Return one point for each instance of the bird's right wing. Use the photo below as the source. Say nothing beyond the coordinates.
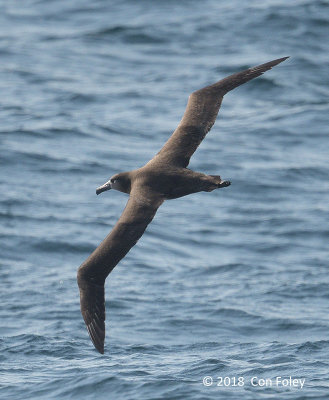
(200, 115)
(138, 213)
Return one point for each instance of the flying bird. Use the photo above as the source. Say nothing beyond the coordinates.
(164, 177)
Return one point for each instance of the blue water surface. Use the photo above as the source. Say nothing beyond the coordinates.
(232, 283)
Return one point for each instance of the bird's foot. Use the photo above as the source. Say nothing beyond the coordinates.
(224, 184)
(217, 180)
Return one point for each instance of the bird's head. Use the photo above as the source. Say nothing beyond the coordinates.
(120, 182)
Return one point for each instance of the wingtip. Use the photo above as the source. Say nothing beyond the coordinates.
(92, 304)
(262, 68)
(96, 337)
(279, 60)
(100, 348)
(270, 64)
(276, 62)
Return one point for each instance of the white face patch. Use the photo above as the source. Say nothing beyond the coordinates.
(116, 185)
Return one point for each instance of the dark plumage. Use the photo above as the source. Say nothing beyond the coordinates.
(162, 178)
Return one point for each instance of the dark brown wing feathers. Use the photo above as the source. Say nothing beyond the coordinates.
(92, 304)
(200, 115)
(138, 213)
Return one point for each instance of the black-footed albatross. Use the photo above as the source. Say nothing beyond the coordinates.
(164, 177)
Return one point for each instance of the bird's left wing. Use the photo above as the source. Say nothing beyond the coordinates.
(137, 214)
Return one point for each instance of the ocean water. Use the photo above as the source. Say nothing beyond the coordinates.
(232, 283)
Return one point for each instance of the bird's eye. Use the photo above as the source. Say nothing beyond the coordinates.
(112, 180)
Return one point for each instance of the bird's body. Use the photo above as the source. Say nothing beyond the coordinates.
(164, 177)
